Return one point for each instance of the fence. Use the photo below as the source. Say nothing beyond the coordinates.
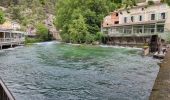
(8, 40)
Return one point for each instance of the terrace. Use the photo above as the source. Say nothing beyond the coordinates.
(10, 38)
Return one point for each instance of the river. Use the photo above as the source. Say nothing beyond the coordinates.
(53, 71)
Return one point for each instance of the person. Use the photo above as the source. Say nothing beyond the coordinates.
(164, 50)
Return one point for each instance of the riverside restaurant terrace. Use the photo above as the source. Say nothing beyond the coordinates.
(11, 38)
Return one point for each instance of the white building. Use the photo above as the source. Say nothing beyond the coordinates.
(143, 19)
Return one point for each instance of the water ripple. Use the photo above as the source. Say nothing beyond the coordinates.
(53, 71)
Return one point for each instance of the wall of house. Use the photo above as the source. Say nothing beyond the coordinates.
(167, 22)
(145, 12)
(110, 20)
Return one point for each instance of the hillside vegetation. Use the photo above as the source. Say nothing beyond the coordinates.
(28, 12)
(80, 20)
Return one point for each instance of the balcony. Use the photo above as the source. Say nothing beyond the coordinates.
(10, 38)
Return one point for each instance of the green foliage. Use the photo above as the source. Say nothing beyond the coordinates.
(28, 12)
(129, 3)
(166, 1)
(81, 18)
(2, 17)
(150, 2)
(42, 32)
(16, 13)
(31, 40)
(78, 29)
(66, 37)
(90, 38)
(99, 36)
(42, 2)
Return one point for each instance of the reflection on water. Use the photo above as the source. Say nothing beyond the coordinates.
(50, 71)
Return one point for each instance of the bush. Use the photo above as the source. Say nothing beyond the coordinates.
(99, 36)
(2, 17)
(150, 2)
(65, 37)
(43, 32)
(166, 1)
(16, 13)
(90, 38)
(31, 40)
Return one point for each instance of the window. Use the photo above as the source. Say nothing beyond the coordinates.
(143, 9)
(163, 16)
(132, 18)
(160, 28)
(152, 16)
(125, 19)
(117, 14)
(140, 18)
(116, 22)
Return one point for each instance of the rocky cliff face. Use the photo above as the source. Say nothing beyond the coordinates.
(49, 22)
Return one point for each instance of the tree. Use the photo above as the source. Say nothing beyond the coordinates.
(166, 1)
(16, 13)
(2, 17)
(129, 3)
(42, 2)
(42, 32)
(78, 30)
(92, 11)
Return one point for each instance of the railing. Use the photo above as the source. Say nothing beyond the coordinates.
(5, 94)
(136, 31)
(8, 40)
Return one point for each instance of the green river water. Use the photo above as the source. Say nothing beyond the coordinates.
(54, 71)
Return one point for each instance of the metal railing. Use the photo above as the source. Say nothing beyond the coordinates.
(5, 94)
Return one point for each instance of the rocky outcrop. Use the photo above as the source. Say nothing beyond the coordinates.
(50, 24)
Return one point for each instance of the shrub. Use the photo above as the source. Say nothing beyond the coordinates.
(99, 36)
(43, 32)
(90, 38)
(150, 2)
(65, 37)
(2, 17)
(31, 40)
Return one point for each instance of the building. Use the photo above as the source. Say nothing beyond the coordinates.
(111, 20)
(10, 38)
(10, 35)
(142, 21)
(10, 25)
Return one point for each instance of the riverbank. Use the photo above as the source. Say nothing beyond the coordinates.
(161, 89)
